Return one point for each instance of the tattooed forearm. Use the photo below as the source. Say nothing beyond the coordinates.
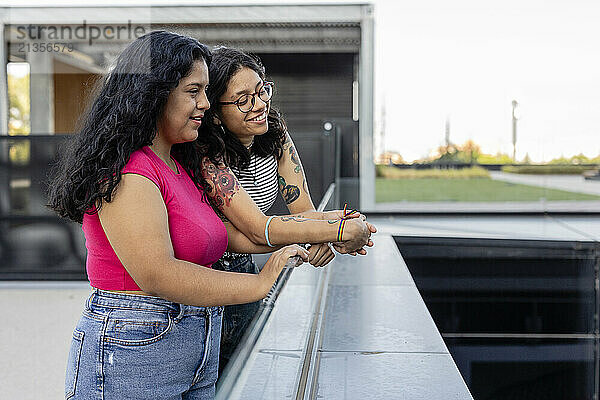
(290, 193)
(333, 221)
(300, 216)
(223, 184)
(295, 219)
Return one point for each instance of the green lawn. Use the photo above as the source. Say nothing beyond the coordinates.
(479, 189)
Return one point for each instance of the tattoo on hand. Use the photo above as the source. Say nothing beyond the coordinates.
(290, 193)
(223, 184)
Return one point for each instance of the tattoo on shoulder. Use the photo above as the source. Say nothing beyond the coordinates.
(223, 184)
(287, 142)
(295, 159)
(290, 193)
(288, 147)
(221, 216)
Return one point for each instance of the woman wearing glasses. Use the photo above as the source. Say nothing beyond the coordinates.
(256, 146)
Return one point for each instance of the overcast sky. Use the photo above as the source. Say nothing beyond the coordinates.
(469, 59)
(466, 60)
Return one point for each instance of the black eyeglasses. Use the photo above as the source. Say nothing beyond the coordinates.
(246, 101)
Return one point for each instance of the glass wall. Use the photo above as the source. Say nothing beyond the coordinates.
(56, 59)
(34, 242)
(487, 107)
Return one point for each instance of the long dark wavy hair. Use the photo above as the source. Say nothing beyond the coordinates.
(123, 118)
(214, 140)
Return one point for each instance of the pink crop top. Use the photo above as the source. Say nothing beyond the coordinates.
(197, 234)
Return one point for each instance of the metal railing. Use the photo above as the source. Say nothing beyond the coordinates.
(237, 367)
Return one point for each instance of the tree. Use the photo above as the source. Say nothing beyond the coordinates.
(574, 160)
(469, 152)
(498, 158)
(18, 97)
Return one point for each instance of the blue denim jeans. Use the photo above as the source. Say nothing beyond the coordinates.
(139, 347)
(236, 318)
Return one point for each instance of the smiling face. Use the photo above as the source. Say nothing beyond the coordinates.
(244, 126)
(185, 108)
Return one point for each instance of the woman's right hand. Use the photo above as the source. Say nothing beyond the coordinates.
(277, 261)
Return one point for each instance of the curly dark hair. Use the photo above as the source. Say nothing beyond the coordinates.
(214, 140)
(123, 118)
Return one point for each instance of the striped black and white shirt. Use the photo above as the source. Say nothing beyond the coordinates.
(259, 179)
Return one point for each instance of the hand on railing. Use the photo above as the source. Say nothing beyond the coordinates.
(288, 256)
(320, 254)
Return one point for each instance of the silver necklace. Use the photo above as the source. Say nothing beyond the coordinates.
(253, 156)
(252, 160)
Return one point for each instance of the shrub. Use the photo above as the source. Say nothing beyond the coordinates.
(385, 171)
(547, 169)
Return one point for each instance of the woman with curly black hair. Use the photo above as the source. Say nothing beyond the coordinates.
(132, 177)
(255, 143)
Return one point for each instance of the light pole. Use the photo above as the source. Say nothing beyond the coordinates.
(514, 129)
(447, 134)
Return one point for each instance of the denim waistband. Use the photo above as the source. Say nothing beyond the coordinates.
(107, 299)
(229, 256)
